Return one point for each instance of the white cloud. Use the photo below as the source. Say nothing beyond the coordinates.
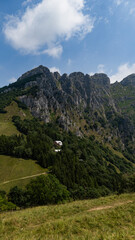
(91, 73)
(43, 26)
(26, 2)
(126, 3)
(54, 69)
(69, 62)
(55, 51)
(123, 71)
(118, 2)
(132, 11)
(12, 80)
(101, 68)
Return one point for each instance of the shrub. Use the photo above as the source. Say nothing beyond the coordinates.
(46, 190)
(5, 205)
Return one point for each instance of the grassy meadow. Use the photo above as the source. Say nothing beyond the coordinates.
(106, 218)
(14, 168)
(6, 125)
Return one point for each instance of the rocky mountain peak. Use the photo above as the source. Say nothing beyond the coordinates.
(76, 75)
(129, 80)
(56, 75)
(79, 102)
(101, 79)
(36, 71)
(66, 95)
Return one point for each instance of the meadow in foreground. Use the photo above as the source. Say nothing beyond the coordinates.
(106, 218)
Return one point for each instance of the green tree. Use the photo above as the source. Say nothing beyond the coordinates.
(46, 190)
(17, 196)
(5, 205)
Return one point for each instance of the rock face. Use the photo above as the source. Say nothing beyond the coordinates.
(82, 103)
(129, 81)
(65, 94)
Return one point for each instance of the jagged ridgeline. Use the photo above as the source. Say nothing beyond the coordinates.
(77, 102)
(95, 121)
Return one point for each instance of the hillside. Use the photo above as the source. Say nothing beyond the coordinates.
(107, 218)
(12, 169)
(80, 103)
(6, 125)
(93, 119)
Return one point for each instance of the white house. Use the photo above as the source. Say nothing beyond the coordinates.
(59, 143)
(57, 150)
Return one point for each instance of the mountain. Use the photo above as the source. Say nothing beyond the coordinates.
(67, 97)
(81, 103)
(95, 121)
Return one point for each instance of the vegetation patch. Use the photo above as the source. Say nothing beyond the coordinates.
(6, 125)
(14, 168)
(73, 221)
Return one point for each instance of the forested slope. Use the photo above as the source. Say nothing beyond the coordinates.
(89, 116)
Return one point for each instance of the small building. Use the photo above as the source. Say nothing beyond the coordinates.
(57, 150)
(58, 143)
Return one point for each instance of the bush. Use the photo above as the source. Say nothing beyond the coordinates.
(17, 196)
(5, 205)
(46, 190)
(40, 191)
(2, 193)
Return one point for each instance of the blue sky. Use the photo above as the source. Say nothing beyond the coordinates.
(67, 35)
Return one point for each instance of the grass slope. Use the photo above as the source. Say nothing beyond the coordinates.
(13, 168)
(6, 125)
(80, 220)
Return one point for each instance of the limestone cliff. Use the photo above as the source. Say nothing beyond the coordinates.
(81, 103)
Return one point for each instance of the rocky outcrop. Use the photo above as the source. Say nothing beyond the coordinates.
(129, 81)
(67, 94)
(81, 103)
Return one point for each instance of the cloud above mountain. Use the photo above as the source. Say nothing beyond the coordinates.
(12, 80)
(55, 69)
(123, 71)
(42, 27)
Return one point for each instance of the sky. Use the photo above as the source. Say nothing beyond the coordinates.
(89, 36)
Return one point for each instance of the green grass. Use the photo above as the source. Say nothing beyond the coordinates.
(73, 221)
(13, 168)
(6, 125)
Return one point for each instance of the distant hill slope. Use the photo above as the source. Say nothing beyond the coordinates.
(107, 218)
(13, 168)
(6, 125)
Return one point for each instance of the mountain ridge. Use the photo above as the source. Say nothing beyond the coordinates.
(84, 104)
(95, 121)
